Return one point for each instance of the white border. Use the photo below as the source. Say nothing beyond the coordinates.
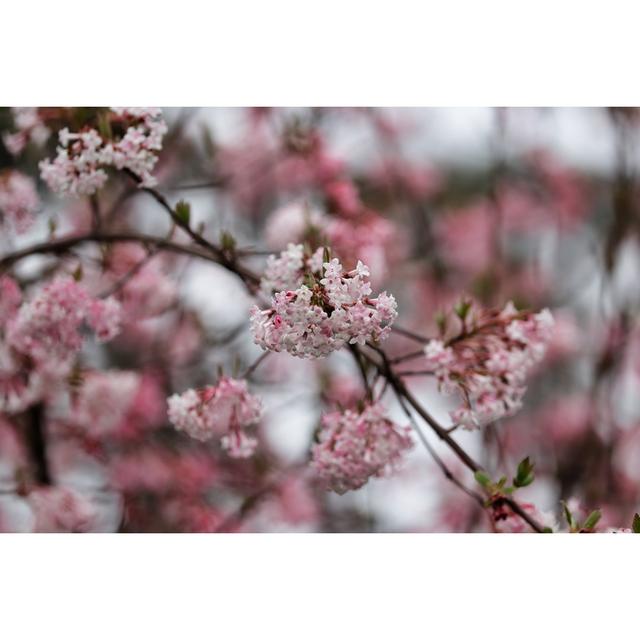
(317, 587)
(334, 52)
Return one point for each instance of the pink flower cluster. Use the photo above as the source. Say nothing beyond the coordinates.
(18, 200)
(82, 158)
(30, 127)
(10, 298)
(103, 400)
(61, 510)
(354, 446)
(368, 236)
(317, 308)
(38, 338)
(222, 411)
(49, 327)
(487, 362)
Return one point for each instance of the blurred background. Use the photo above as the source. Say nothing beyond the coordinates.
(537, 206)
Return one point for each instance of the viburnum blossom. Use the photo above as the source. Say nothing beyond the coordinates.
(317, 308)
(488, 360)
(10, 298)
(49, 326)
(61, 510)
(222, 411)
(29, 127)
(356, 445)
(18, 200)
(132, 140)
(103, 400)
(105, 318)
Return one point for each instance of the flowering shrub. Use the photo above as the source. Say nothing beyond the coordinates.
(213, 330)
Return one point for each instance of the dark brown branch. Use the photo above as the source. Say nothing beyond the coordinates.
(36, 444)
(225, 258)
(60, 246)
(412, 335)
(363, 371)
(448, 474)
(400, 388)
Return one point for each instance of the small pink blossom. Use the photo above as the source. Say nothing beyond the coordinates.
(18, 200)
(103, 400)
(487, 362)
(105, 318)
(10, 298)
(355, 446)
(50, 325)
(222, 411)
(61, 510)
(30, 128)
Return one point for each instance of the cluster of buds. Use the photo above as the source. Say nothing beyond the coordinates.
(487, 358)
(317, 308)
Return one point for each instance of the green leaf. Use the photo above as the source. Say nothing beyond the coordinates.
(635, 527)
(77, 274)
(482, 478)
(523, 482)
(524, 474)
(441, 321)
(462, 308)
(183, 212)
(326, 255)
(592, 520)
(524, 468)
(567, 514)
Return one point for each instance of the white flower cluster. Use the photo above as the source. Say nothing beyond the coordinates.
(82, 160)
(317, 308)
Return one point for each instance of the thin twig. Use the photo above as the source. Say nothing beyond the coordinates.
(438, 460)
(255, 364)
(407, 333)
